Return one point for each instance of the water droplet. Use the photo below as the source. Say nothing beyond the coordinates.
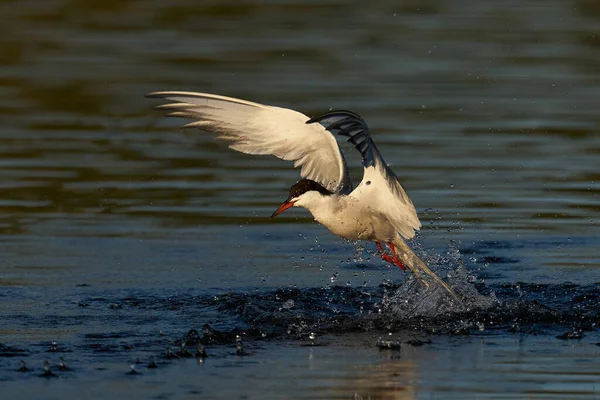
(201, 351)
(23, 366)
(288, 304)
(62, 366)
(151, 363)
(47, 372)
(334, 277)
(183, 352)
(239, 346)
(132, 370)
(170, 354)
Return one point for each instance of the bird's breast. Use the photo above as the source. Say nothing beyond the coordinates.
(350, 229)
(354, 223)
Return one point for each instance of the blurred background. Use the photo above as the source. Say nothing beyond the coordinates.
(486, 110)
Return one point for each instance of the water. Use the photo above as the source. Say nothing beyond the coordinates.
(121, 233)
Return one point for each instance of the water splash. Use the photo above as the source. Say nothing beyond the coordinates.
(412, 300)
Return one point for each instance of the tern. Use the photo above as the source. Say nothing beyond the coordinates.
(377, 210)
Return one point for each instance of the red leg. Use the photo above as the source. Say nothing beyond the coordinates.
(396, 260)
(384, 256)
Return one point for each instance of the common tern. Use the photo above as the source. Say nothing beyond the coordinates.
(377, 210)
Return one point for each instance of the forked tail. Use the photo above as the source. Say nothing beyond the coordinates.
(419, 268)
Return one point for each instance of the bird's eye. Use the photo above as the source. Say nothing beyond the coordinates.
(367, 183)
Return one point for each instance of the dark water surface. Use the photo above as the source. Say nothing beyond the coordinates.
(121, 234)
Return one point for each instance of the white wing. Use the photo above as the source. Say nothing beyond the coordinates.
(254, 128)
(380, 188)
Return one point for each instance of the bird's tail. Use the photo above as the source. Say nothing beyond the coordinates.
(419, 268)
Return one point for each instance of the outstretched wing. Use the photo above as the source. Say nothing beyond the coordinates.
(380, 187)
(254, 128)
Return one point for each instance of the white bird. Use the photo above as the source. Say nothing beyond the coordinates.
(378, 209)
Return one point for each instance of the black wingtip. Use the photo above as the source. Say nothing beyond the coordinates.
(335, 113)
(350, 124)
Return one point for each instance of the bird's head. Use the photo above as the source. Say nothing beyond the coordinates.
(303, 194)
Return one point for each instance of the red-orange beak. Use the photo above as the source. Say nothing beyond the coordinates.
(286, 204)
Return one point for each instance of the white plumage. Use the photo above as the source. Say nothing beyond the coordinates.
(378, 209)
(254, 128)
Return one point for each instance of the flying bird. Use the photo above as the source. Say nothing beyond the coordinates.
(377, 210)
